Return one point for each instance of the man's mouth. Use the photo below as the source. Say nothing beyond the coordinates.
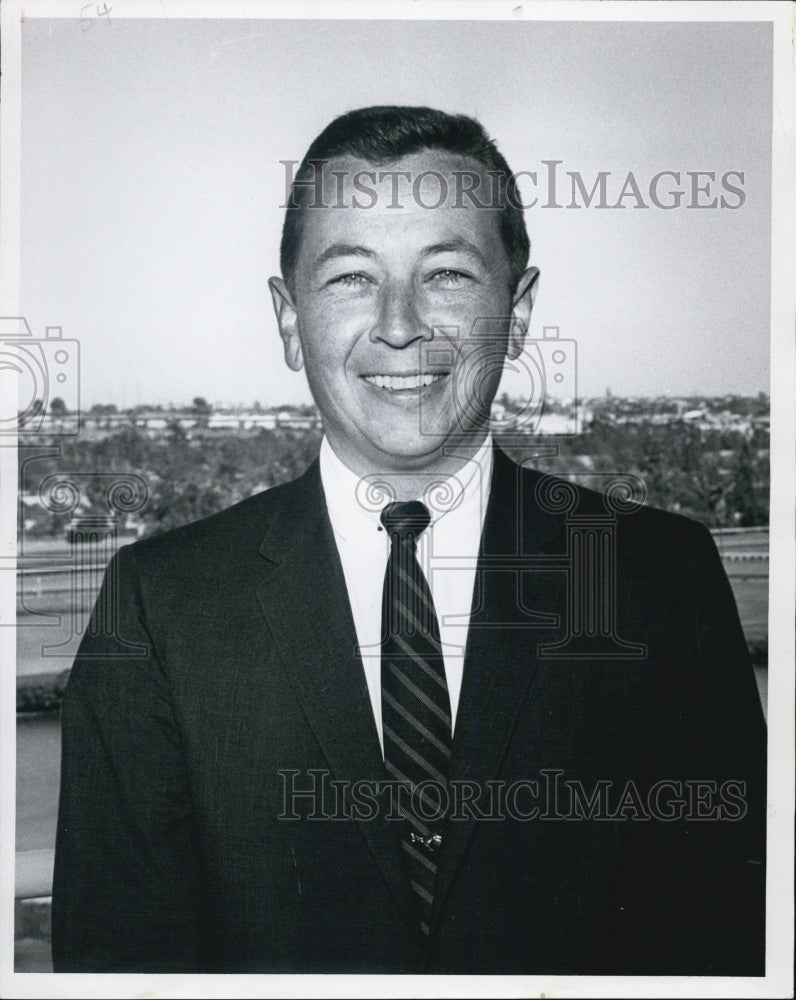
(403, 383)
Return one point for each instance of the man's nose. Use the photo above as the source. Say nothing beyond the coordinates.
(399, 322)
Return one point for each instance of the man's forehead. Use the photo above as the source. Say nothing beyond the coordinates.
(425, 180)
(401, 210)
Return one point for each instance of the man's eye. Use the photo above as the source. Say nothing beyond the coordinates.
(449, 277)
(351, 279)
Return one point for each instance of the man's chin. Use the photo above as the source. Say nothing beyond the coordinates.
(428, 450)
(401, 451)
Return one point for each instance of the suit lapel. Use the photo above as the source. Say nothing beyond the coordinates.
(305, 603)
(514, 610)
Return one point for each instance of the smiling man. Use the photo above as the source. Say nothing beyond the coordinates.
(421, 710)
(380, 303)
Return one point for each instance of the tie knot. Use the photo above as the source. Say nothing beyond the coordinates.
(410, 518)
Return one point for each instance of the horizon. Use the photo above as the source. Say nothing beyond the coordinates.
(259, 404)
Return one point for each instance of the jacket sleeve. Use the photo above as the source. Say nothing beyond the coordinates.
(126, 890)
(693, 896)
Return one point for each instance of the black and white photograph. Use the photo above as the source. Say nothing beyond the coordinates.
(396, 446)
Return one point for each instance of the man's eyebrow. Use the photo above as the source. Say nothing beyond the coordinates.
(452, 246)
(341, 250)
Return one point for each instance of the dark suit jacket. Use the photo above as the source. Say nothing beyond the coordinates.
(223, 653)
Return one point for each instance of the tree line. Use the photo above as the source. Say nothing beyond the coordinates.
(719, 477)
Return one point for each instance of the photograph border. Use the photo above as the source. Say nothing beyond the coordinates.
(782, 592)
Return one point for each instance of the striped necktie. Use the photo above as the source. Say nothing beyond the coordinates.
(416, 711)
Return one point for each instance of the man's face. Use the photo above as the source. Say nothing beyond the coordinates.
(402, 316)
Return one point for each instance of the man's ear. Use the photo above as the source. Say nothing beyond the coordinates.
(287, 319)
(524, 298)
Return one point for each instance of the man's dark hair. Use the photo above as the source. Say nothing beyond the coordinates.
(383, 134)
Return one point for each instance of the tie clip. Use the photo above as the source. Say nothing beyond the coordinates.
(428, 842)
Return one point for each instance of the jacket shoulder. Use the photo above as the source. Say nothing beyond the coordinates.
(622, 500)
(224, 535)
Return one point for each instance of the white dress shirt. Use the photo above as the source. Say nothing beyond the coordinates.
(447, 551)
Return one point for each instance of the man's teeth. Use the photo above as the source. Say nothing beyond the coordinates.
(402, 381)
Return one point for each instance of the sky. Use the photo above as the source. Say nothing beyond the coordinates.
(152, 185)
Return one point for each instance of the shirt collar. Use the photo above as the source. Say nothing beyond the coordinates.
(355, 503)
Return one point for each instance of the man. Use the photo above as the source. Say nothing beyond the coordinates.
(421, 710)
